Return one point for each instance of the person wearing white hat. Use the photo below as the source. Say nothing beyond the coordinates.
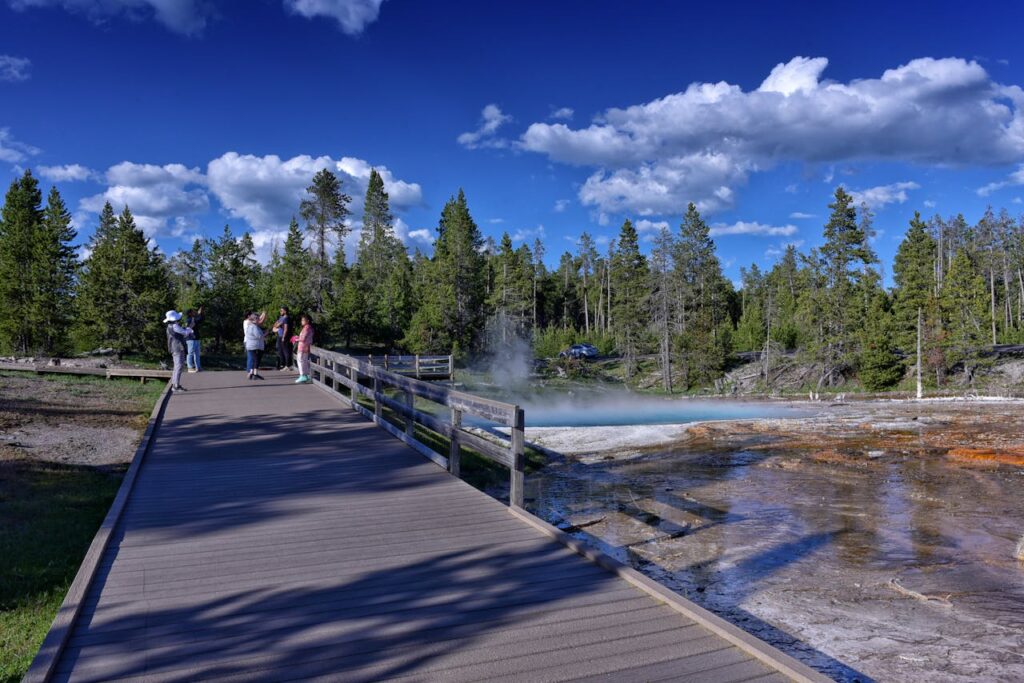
(177, 337)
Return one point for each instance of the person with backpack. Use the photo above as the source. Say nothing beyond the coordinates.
(192, 320)
(177, 341)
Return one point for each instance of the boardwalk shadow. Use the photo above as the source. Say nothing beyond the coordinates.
(214, 474)
(368, 626)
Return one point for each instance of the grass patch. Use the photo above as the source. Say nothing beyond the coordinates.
(50, 512)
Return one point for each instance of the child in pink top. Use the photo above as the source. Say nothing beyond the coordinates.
(304, 345)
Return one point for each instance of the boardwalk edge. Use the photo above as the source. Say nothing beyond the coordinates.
(755, 647)
(53, 645)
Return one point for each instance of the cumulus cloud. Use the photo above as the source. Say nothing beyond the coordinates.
(563, 113)
(744, 228)
(878, 197)
(187, 17)
(422, 235)
(929, 203)
(561, 205)
(14, 69)
(491, 119)
(701, 144)
(155, 195)
(352, 15)
(528, 234)
(12, 150)
(799, 215)
(266, 191)
(778, 250)
(644, 225)
(67, 173)
(1015, 178)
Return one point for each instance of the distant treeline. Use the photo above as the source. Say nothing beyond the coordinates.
(960, 285)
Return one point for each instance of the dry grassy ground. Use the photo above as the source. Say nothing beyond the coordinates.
(65, 442)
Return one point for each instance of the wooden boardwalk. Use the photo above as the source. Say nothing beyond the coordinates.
(273, 535)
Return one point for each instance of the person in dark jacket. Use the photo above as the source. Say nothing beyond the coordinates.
(192, 320)
(283, 328)
(177, 338)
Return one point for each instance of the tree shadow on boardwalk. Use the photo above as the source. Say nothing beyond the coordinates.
(216, 475)
(369, 626)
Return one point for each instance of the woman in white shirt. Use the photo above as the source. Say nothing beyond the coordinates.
(253, 335)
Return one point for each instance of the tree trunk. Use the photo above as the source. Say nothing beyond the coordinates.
(920, 388)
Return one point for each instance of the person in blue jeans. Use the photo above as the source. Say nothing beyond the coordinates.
(192, 320)
(283, 328)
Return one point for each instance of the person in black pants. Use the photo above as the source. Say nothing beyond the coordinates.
(283, 328)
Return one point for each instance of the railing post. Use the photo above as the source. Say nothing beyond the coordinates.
(515, 493)
(410, 421)
(378, 389)
(454, 453)
(386, 366)
(354, 374)
(417, 366)
(451, 367)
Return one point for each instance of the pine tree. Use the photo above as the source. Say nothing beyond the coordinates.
(20, 224)
(234, 276)
(629, 277)
(291, 277)
(702, 313)
(662, 299)
(879, 366)
(54, 269)
(458, 276)
(124, 288)
(384, 269)
(325, 211)
(914, 276)
(965, 313)
(844, 258)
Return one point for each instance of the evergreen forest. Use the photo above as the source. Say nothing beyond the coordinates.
(957, 289)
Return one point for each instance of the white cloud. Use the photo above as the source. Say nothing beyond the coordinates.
(422, 235)
(563, 114)
(561, 205)
(266, 191)
(792, 188)
(155, 194)
(187, 17)
(780, 249)
(929, 203)
(1015, 178)
(702, 144)
(67, 173)
(799, 215)
(644, 225)
(1016, 200)
(495, 220)
(878, 197)
(352, 15)
(12, 151)
(14, 69)
(528, 234)
(744, 228)
(491, 119)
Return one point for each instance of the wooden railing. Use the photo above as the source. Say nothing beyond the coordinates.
(337, 372)
(420, 367)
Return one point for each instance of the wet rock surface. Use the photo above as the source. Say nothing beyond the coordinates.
(872, 541)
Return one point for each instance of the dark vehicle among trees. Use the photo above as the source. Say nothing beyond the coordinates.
(579, 351)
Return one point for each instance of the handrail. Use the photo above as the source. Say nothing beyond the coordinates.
(332, 371)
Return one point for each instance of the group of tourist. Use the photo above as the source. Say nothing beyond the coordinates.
(184, 347)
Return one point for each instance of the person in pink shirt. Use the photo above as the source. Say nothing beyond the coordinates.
(305, 342)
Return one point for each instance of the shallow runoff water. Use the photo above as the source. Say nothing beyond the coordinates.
(869, 565)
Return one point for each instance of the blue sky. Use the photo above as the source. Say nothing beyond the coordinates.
(556, 117)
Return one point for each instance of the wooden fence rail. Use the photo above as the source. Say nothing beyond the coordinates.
(335, 371)
(420, 367)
